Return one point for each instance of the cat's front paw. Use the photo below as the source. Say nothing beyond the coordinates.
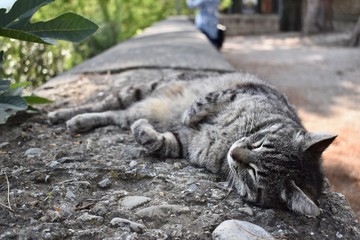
(58, 116)
(80, 123)
(146, 135)
(189, 119)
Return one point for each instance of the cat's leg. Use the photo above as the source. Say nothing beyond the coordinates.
(85, 122)
(116, 100)
(207, 105)
(164, 144)
(111, 102)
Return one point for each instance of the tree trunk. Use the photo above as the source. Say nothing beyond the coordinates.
(318, 17)
(355, 36)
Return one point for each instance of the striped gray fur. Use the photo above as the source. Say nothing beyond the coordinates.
(234, 124)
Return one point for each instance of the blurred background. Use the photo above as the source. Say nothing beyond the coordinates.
(122, 19)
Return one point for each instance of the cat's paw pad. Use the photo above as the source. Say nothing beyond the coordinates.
(146, 135)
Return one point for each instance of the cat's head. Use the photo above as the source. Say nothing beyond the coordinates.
(271, 170)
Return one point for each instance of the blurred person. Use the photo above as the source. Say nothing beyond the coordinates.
(206, 20)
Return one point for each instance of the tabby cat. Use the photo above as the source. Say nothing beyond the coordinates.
(233, 124)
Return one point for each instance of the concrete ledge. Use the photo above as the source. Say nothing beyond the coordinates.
(174, 43)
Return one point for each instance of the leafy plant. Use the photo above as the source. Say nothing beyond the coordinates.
(16, 24)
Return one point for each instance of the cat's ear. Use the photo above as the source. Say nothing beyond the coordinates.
(318, 142)
(298, 201)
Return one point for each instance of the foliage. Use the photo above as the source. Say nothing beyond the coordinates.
(118, 21)
(16, 24)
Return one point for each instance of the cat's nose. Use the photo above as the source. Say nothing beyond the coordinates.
(237, 155)
(240, 155)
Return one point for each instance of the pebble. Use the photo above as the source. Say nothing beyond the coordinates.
(161, 211)
(106, 183)
(247, 210)
(131, 202)
(53, 164)
(99, 209)
(66, 210)
(217, 194)
(70, 195)
(133, 163)
(192, 188)
(235, 229)
(33, 152)
(17, 172)
(121, 222)
(52, 216)
(339, 235)
(90, 218)
(4, 144)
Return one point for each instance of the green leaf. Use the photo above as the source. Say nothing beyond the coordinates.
(12, 102)
(21, 84)
(36, 100)
(4, 85)
(4, 115)
(1, 57)
(21, 10)
(9, 105)
(69, 26)
(22, 35)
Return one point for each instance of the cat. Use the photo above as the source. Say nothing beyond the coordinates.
(232, 124)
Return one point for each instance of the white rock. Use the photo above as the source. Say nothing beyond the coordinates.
(235, 230)
(131, 202)
(121, 222)
(133, 163)
(162, 211)
(90, 218)
(33, 152)
(106, 183)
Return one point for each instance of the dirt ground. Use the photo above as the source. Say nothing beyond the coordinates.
(322, 78)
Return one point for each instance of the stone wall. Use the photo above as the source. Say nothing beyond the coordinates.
(238, 24)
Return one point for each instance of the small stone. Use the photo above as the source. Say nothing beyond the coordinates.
(54, 164)
(17, 172)
(131, 202)
(99, 209)
(234, 230)
(66, 210)
(106, 183)
(192, 188)
(70, 195)
(33, 152)
(217, 194)
(339, 235)
(177, 166)
(52, 216)
(4, 144)
(90, 218)
(121, 222)
(133, 163)
(247, 210)
(161, 211)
